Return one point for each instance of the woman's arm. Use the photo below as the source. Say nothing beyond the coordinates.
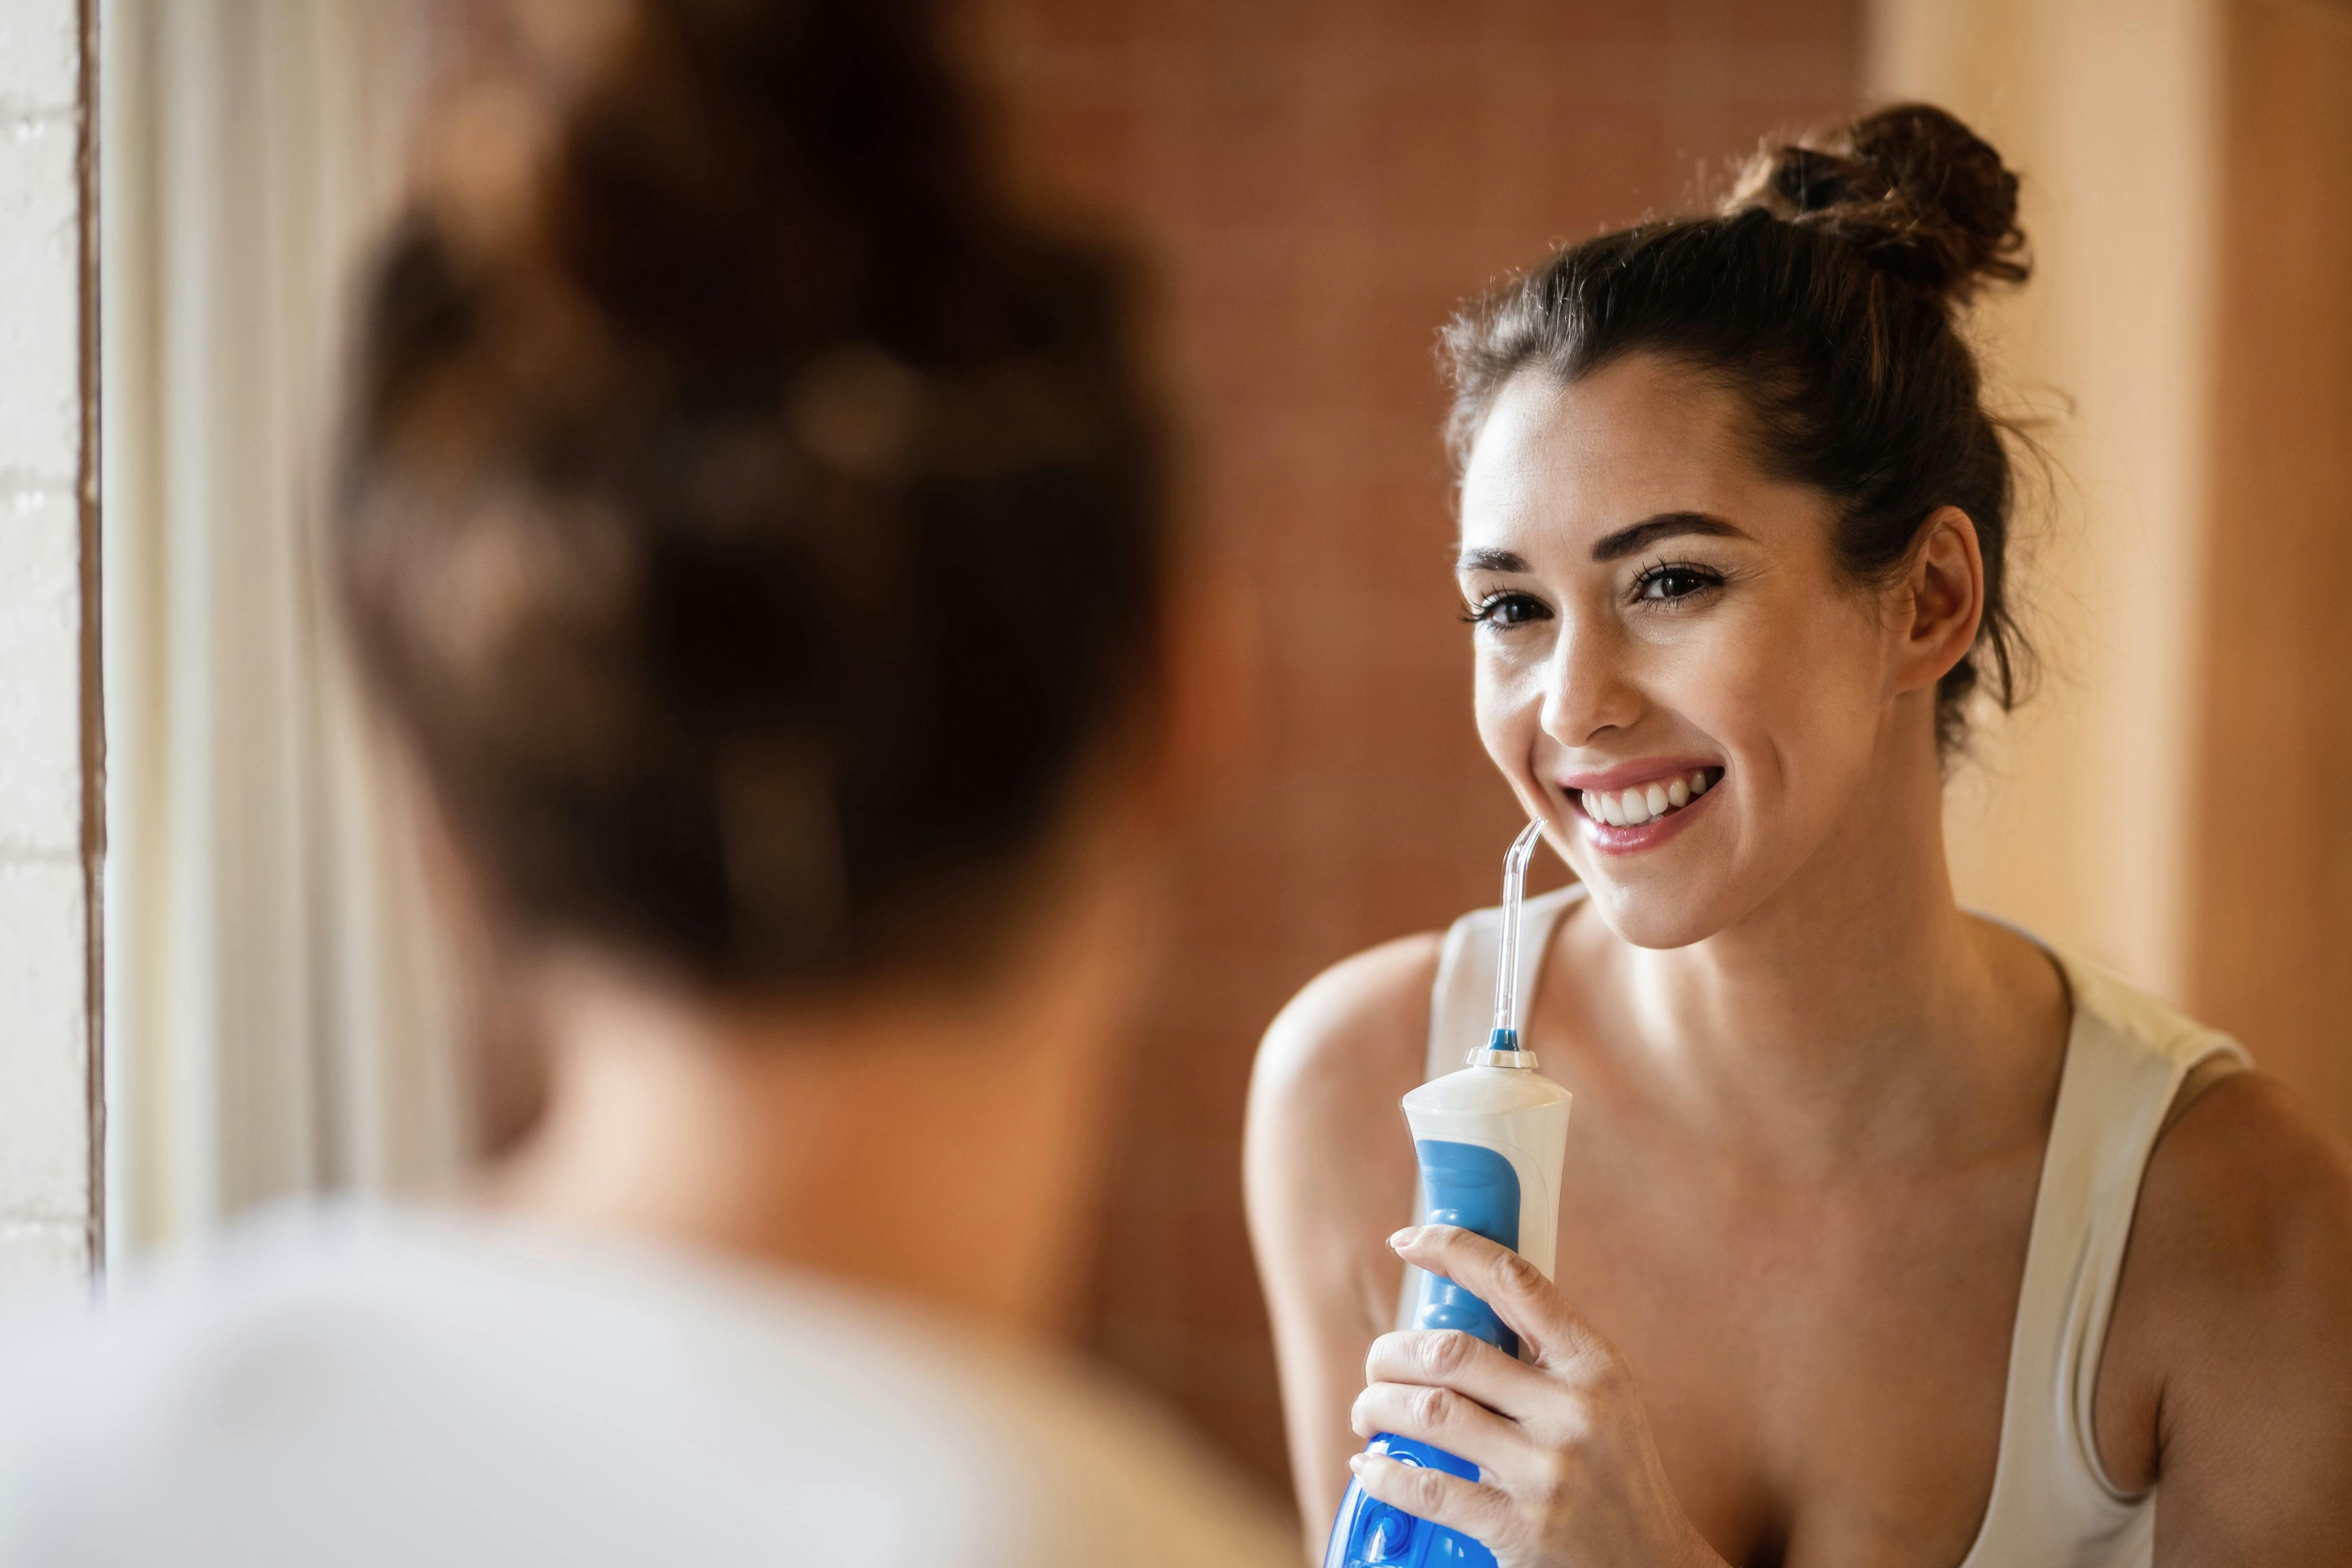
(1329, 1173)
(2227, 1379)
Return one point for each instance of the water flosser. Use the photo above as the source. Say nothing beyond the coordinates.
(1490, 1139)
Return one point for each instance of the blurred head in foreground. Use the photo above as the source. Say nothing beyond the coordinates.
(750, 532)
(753, 532)
(751, 529)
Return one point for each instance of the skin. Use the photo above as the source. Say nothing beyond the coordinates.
(1812, 1094)
(921, 1146)
(927, 1136)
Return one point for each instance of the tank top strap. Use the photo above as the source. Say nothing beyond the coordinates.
(1461, 1002)
(2127, 1055)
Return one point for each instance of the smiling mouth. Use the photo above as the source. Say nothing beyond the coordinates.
(1646, 802)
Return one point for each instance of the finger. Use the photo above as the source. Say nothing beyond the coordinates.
(1515, 1288)
(1479, 1512)
(1448, 1358)
(1442, 1419)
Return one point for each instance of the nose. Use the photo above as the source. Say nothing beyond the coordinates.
(1588, 690)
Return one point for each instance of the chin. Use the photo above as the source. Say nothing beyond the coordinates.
(1660, 911)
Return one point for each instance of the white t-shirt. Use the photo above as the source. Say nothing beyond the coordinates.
(348, 1387)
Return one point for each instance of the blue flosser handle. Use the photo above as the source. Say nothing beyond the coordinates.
(1475, 1187)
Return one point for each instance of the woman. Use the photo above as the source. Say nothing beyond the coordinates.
(751, 535)
(1842, 1265)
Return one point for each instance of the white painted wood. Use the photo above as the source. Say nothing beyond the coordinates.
(46, 1202)
(40, 674)
(44, 1051)
(41, 284)
(41, 1255)
(40, 55)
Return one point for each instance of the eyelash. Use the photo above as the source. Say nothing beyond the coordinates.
(1482, 614)
(1705, 580)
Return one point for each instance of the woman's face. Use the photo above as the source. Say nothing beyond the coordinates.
(1671, 670)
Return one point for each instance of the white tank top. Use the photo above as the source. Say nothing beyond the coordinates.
(2126, 1056)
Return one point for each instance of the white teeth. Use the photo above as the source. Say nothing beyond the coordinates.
(1645, 802)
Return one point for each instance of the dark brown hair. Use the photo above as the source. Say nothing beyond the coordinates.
(1825, 291)
(750, 525)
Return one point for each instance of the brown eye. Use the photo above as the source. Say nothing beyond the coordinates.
(1507, 610)
(1668, 583)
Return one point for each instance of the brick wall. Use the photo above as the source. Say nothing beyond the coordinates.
(1313, 185)
(46, 657)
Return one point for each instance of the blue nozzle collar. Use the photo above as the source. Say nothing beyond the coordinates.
(1502, 1050)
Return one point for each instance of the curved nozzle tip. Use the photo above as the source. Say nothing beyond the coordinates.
(1506, 964)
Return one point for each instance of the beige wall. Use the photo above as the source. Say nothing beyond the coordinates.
(2173, 803)
(2072, 817)
(2273, 892)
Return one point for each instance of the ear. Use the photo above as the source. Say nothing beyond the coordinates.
(1940, 601)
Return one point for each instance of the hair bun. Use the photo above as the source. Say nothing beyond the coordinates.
(1922, 196)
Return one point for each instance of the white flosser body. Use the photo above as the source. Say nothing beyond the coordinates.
(1499, 1102)
(1521, 1115)
(1490, 1140)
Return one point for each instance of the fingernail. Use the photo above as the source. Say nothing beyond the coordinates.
(1404, 1237)
(1356, 1462)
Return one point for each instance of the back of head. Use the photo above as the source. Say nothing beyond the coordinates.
(751, 527)
(1825, 291)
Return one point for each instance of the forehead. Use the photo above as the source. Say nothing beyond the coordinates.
(1635, 438)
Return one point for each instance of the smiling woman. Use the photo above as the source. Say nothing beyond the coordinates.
(1780, 659)
(1825, 291)
(1887, 1233)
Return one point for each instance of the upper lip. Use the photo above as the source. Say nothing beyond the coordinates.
(1624, 775)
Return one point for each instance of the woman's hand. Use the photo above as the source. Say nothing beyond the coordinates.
(1568, 1475)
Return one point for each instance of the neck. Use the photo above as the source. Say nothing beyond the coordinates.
(1860, 1002)
(934, 1144)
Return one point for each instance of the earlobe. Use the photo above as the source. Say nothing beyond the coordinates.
(1945, 590)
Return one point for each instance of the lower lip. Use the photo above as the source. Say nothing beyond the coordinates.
(1633, 839)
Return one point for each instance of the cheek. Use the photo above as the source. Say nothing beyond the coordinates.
(1797, 691)
(1509, 698)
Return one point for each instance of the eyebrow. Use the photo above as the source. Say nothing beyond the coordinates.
(1614, 546)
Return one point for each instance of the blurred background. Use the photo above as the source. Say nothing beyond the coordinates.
(1309, 187)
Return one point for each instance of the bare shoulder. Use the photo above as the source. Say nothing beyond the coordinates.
(2230, 1355)
(1327, 1173)
(1365, 1017)
(1327, 1167)
(2247, 1200)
